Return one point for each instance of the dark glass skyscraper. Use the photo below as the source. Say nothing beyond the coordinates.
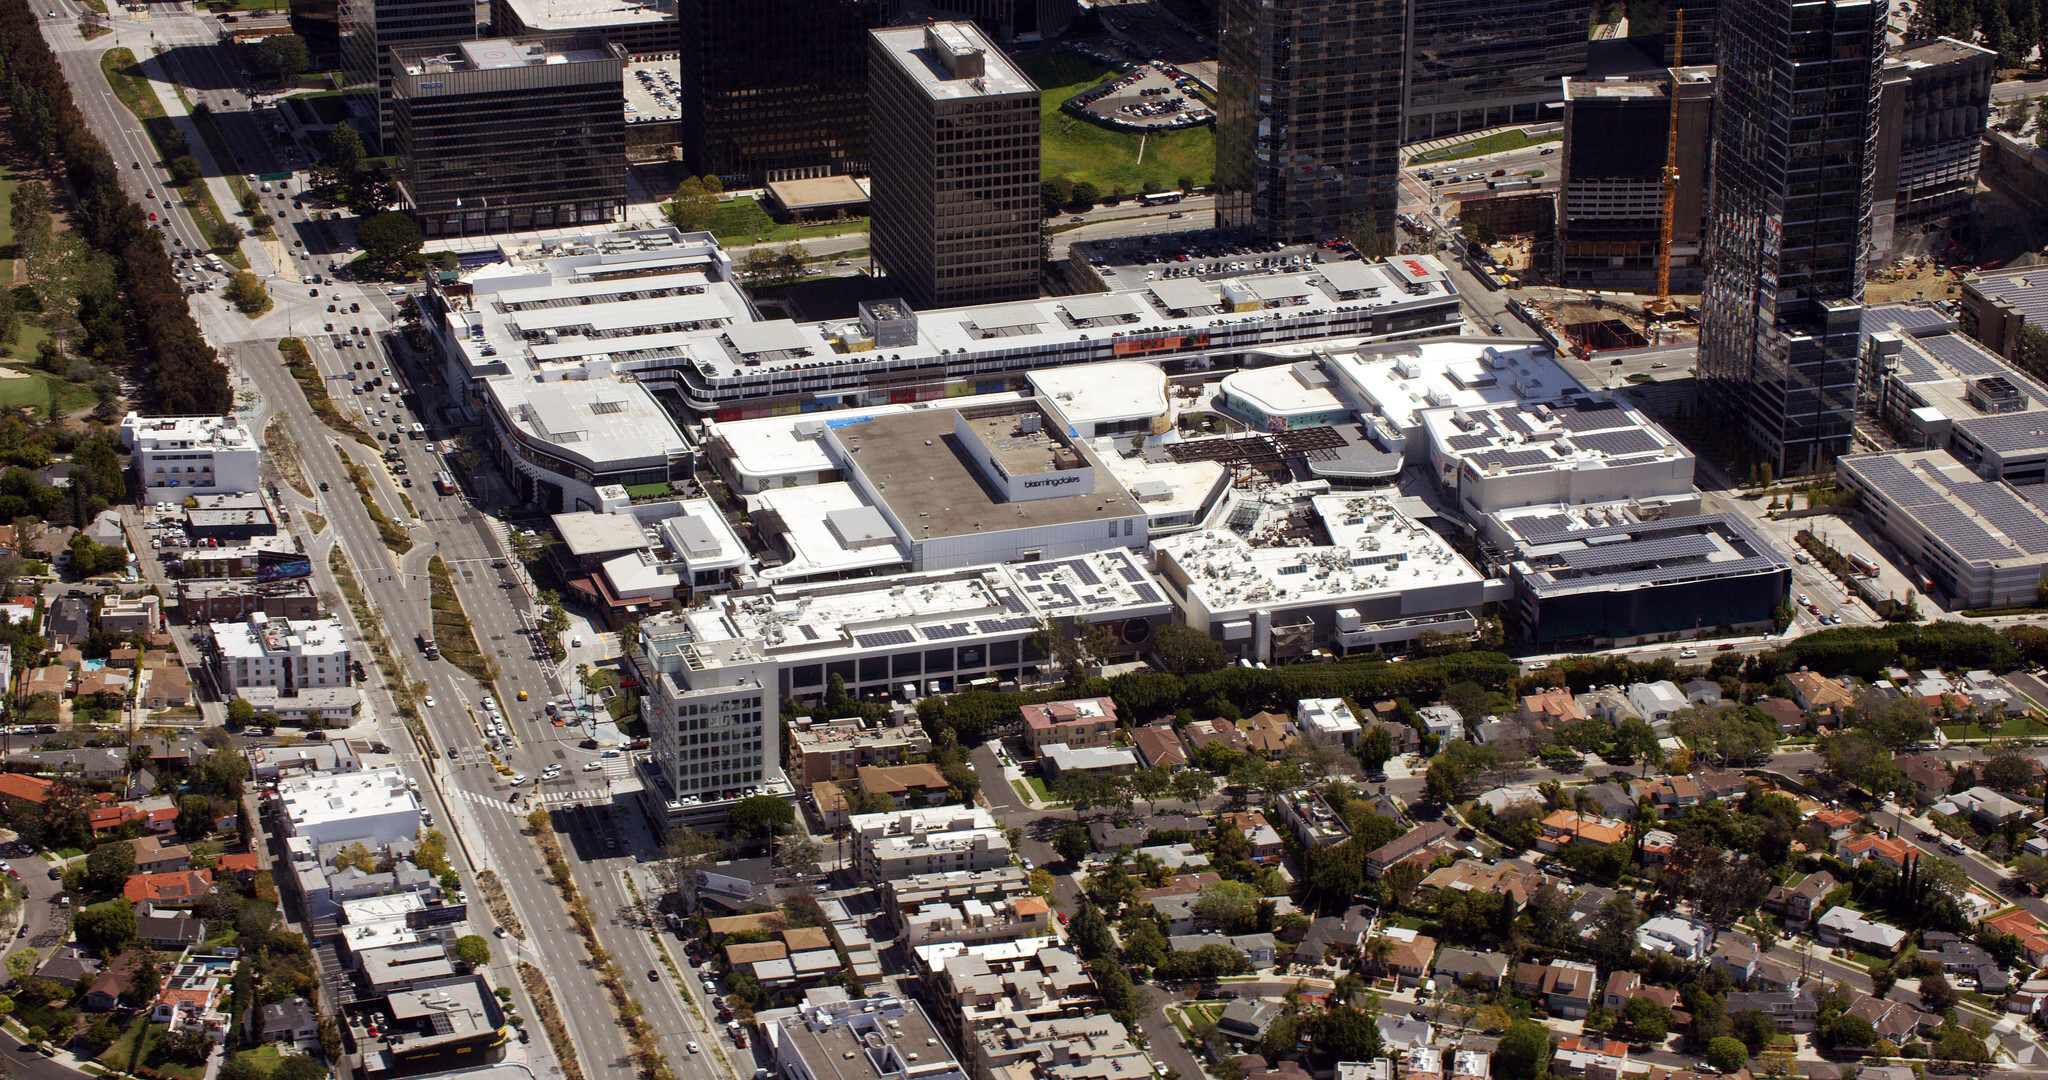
(776, 89)
(370, 29)
(1308, 116)
(510, 134)
(1483, 63)
(1788, 223)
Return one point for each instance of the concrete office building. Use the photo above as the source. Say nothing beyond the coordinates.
(1475, 64)
(775, 89)
(1788, 224)
(1932, 387)
(1936, 104)
(511, 134)
(1611, 207)
(376, 807)
(1308, 117)
(177, 456)
(1979, 542)
(954, 150)
(372, 34)
(642, 28)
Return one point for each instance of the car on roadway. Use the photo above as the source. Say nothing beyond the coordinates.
(1688, 653)
(430, 701)
(323, 485)
(518, 779)
(592, 766)
(1803, 600)
(1726, 646)
(694, 1048)
(653, 975)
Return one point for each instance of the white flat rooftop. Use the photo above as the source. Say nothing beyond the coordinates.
(1103, 393)
(906, 47)
(1400, 381)
(815, 549)
(604, 424)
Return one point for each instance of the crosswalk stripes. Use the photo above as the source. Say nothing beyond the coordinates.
(484, 800)
(557, 798)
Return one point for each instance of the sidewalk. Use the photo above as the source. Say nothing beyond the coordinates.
(161, 82)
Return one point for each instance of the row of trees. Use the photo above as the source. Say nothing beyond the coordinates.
(1059, 193)
(180, 371)
(2013, 28)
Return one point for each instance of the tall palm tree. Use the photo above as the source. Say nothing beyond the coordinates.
(1376, 952)
(1349, 986)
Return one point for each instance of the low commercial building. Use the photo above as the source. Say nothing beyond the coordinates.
(2002, 303)
(452, 1025)
(375, 805)
(191, 455)
(863, 1039)
(1620, 572)
(1058, 760)
(325, 706)
(1577, 448)
(1979, 542)
(1269, 593)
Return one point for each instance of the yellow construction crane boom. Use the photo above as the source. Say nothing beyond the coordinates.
(1670, 182)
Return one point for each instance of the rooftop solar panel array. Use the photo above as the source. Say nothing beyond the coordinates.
(1918, 368)
(1625, 441)
(884, 638)
(2020, 521)
(1146, 594)
(1592, 417)
(1879, 319)
(1533, 528)
(946, 631)
(2026, 290)
(1661, 549)
(1657, 574)
(1930, 507)
(1003, 626)
(1511, 459)
(1463, 443)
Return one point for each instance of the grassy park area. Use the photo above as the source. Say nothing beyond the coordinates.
(1079, 151)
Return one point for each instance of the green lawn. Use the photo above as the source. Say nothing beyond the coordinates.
(1491, 144)
(1042, 793)
(743, 220)
(1078, 150)
(263, 1057)
(2019, 727)
(122, 1054)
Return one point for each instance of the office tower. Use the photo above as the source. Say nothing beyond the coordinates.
(644, 28)
(1937, 103)
(510, 134)
(1483, 63)
(1003, 20)
(1788, 224)
(775, 89)
(954, 188)
(1308, 117)
(371, 29)
(1615, 142)
(1653, 17)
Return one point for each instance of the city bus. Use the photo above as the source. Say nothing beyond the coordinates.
(1161, 198)
(444, 483)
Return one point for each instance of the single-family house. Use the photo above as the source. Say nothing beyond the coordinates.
(1891, 851)
(1795, 903)
(1843, 925)
(1159, 748)
(1199, 733)
(182, 888)
(1657, 701)
(1441, 721)
(1566, 988)
(1570, 828)
(1269, 733)
(1455, 967)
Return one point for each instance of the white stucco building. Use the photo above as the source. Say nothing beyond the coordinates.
(176, 456)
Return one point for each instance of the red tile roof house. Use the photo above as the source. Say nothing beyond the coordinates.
(181, 889)
(243, 866)
(22, 786)
(1159, 748)
(1893, 853)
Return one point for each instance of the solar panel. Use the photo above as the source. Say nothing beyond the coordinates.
(1146, 594)
(1462, 443)
(2021, 522)
(884, 638)
(1085, 572)
(1004, 626)
(1654, 550)
(1624, 441)
(1014, 604)
(1130, 573)
(1511, 459)
(1918, 368)
(1532, 528)
(1595, 416)
(946, 631)
(1962, 354)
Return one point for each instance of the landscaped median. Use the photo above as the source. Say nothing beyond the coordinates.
(395, 537)
(452, 631)
(300, 363)
(648, 1059)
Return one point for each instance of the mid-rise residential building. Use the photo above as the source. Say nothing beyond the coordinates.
(279, 653)
(824, 750)
(1083, 722)
(1308, 118)
(776, 90)
(1093, 1047)
(511, 134)
(901, 843)
(1611, 206)
(953, 184)
(191, 455)
(874, 1038)
(1009, 982)
(1788, 225)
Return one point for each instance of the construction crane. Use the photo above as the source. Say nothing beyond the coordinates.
(1663, 305)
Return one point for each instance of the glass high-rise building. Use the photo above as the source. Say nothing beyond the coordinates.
(1789, 222)
(1484, 63)
(1308, 117)
(510, 134)
(775, 89)
(370, 29)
